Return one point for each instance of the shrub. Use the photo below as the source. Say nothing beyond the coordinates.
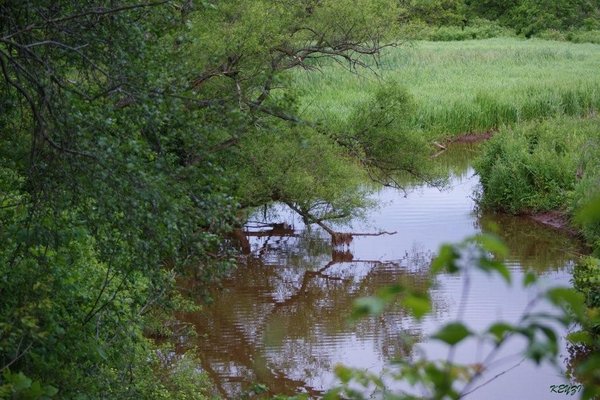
(475, 29)
(535, 167)
(586, 279)
(552, 34)
(579, 36)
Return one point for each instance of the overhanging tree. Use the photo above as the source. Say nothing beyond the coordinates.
(130, 133)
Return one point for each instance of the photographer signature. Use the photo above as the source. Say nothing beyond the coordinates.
(566, 389)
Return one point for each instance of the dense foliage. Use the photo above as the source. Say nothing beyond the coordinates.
(131, 133)
(99, 210)
(516, 175)
(543, 166)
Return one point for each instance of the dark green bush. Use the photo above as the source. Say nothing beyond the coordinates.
(460, 19)
(586, 279)
(584, 36)
(532, 168)
(433, 12)
(475, 29)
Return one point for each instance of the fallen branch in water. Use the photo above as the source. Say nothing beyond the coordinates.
(337, 238)
(374, 234)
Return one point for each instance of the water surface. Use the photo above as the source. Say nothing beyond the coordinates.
(281, 319)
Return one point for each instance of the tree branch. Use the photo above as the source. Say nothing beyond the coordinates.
(95, 12)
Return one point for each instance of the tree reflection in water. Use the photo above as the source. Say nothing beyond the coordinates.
(282, 318)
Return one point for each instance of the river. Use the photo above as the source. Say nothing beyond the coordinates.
(281, 318)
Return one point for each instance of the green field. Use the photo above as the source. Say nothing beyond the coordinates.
(542, 96)
(469, 86)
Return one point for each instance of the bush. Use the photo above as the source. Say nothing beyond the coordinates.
(579, 36)
(533, 167)
(433, 12)
(475, 29)
(586, 279)
(575, 35)
(552, 34)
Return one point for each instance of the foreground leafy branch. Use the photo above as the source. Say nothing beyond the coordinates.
(447, 379)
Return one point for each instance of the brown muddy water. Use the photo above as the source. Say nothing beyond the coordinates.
(281, 318)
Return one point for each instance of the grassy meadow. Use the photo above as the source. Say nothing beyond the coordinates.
(541, 96)
(467, 86)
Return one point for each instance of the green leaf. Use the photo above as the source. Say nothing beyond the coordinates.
(569, 298)
(344, 374)
(35, 391)
(445, 260)
(417, 305)
(550, 334)
(529, 279)
(367, 306)
(50, 391)
(19, 381)
(499, 330)
(580, 337)
(452, 333)
(388, 293)
(537, 351)
(493, 244)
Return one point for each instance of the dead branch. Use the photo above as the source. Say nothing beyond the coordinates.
(374, 234)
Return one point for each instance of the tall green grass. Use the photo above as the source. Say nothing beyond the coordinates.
(536, 166)
(543, 166)
(469, 86)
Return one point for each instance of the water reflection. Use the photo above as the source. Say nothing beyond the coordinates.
(532, 246)
(281, 318)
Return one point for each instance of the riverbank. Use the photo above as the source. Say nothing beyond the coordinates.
(541, 167)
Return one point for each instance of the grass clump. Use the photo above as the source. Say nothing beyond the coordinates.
(542, 166)
(533, 167)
